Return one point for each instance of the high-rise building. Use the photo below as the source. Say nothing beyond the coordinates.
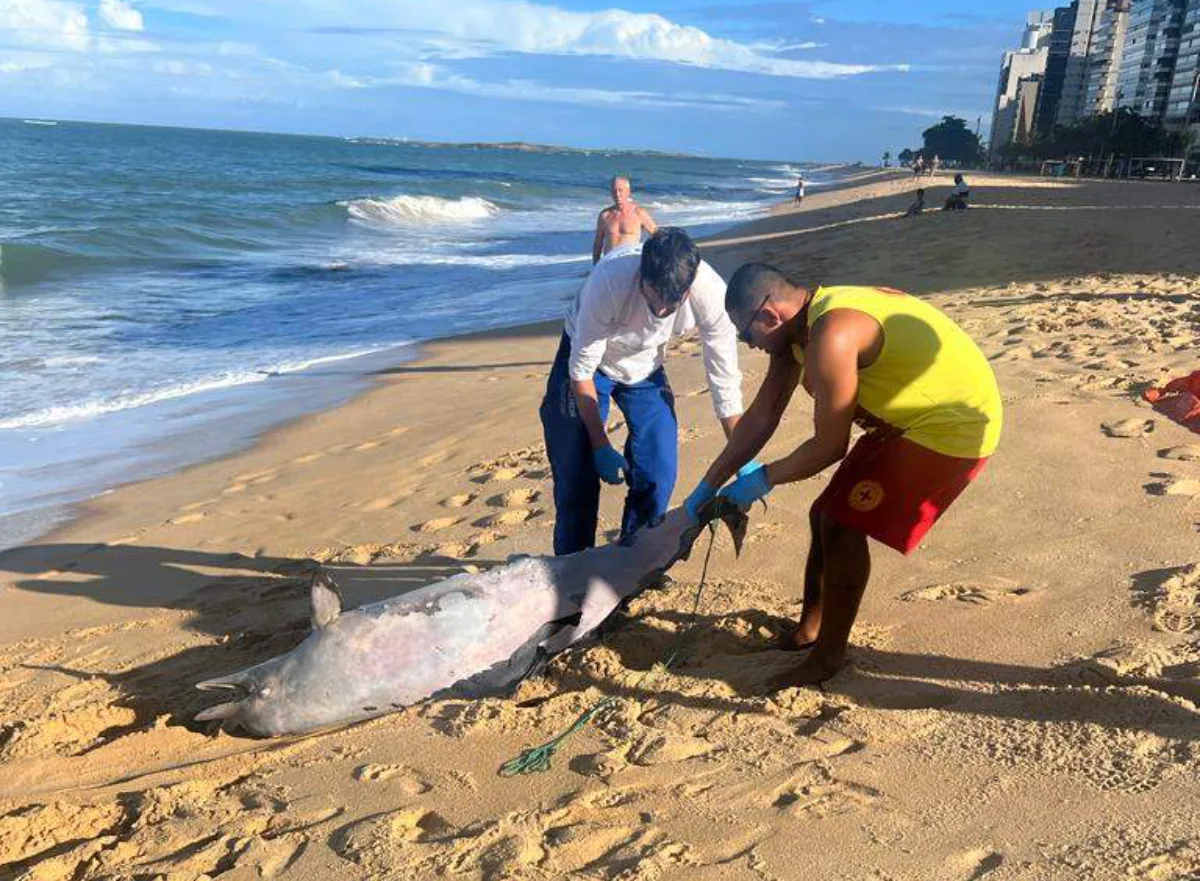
(1023, 65)
(1147, 69)
(1183, 103)
(1105, 60)
(1062, 31)
(1073, 93)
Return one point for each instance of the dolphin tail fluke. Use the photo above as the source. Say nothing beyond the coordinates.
(735, 519)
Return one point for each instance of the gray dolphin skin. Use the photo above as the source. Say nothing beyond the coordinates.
(468, 636)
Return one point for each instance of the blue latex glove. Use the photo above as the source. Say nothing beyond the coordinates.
(749, 468)
(748, 488)
(704, 493)
(610, 464)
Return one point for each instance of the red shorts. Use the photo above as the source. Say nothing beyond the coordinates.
(894, 490)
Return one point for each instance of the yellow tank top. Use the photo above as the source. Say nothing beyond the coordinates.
(930, 379)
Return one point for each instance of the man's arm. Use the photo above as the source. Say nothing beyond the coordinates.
(648, 223)
(831, 373)
(759, 421)
(598, 241)
(718, 338)
(594, 319)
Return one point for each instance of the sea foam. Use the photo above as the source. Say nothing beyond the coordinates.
(404, 210)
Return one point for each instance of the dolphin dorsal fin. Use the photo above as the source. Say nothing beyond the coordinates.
(326, 600)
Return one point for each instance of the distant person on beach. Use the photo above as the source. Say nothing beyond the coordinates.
(918, 166)
(622, 222)
(900, 369)
(799, 189)
(935, 165)
(917, 206)
(611, 351)
(957, 200)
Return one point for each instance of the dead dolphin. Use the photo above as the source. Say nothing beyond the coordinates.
(469, 636)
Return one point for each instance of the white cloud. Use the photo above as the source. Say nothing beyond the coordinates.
(424, 75)
(480, 27)
(46, 24)
(120, 15)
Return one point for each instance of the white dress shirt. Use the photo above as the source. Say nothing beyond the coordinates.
(613, 330)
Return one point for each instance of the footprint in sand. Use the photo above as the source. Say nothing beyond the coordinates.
(383, 502)
(366, 445)
(514, 498)
(405, 778)
(311, 457)
(1128, 427)
(508, 518)
(437, 524)
(499, 475)
(974, 864)
(1170, 485)
(1184, 453)
(194, 517)
(468, 548)
(1177, 602)
(459, 501)
(817, 793)
(979, 593)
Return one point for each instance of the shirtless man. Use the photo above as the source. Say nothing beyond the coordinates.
(622, 222)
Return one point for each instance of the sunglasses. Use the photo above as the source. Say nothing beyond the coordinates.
(744, 333)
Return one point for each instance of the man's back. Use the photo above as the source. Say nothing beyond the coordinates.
(930, 378)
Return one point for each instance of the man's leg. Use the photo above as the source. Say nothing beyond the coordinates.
(652, 448)
(846, 572)
(807, 630)
(576, 483)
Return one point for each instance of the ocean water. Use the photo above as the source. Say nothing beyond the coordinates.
(168, 294)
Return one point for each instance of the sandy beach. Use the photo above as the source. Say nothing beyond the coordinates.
(1022, 698)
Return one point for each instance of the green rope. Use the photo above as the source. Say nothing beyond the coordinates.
(536, 759)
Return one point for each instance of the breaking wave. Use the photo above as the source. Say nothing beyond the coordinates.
(404, 210)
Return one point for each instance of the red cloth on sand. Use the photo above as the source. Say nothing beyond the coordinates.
(1179, 399)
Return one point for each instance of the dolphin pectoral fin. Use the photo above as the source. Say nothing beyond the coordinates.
(220, 712)
(326, 599)
(527, 660)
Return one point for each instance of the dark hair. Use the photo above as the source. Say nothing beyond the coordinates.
(749, 285)
(669, 263)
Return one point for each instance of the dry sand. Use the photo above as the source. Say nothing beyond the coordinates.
(1022, 697)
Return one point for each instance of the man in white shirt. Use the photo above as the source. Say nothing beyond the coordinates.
(612, 349)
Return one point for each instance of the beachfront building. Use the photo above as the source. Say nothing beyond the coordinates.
(1058, 53)
(1105, 60)
(1147, 69)
(1182, 99)
(1021, 72)
(1072, 95)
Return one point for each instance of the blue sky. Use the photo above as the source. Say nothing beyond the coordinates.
(819, 80)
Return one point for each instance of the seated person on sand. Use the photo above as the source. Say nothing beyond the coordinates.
(622, 222)
(908, 375)
(918, 206)
(957, 200)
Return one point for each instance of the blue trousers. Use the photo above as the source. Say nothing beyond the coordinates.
(651, 449)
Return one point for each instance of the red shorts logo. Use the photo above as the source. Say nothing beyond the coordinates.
(867, 495)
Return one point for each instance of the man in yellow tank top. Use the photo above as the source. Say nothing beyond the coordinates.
(897, 367)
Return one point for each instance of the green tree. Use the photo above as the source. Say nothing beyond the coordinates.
(887, 158)
(906, 156)
(951, 140)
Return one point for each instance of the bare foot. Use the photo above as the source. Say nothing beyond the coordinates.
(813, 670)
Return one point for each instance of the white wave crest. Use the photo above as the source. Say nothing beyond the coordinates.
(60, 414)
(406, 210)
